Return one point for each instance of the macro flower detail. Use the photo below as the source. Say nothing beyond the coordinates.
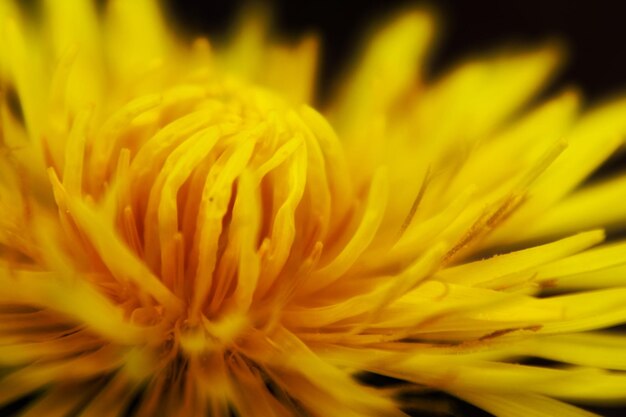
(185, 231)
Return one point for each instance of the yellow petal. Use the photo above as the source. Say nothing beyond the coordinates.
(292, 70)
(521, 261)
(598, 350)
(522, 405)
(592, 140)
(75, 300)
(594, 205)
(360, 239)
(389, 67)
(136, 38)
(117, 256)
(74, 24)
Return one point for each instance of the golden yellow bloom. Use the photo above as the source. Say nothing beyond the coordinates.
(182, 234)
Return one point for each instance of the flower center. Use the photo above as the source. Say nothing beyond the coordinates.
(218, 200)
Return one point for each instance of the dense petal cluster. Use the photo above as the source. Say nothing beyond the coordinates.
(183, 234)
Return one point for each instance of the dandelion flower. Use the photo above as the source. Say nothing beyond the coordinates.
(183, 234)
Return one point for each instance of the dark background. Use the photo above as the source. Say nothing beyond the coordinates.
(594, 32)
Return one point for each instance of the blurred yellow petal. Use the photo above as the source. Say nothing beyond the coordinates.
(74, 25)
(516, 405)
(596, 204)
(136, 40)
(388, 68)
(595, 137)
(598, 350)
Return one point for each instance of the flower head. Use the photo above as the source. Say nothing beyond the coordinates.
(182, 234)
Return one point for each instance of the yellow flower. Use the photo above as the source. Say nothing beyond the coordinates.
(182, 234)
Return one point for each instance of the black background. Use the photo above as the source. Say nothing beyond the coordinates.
(594, 32)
